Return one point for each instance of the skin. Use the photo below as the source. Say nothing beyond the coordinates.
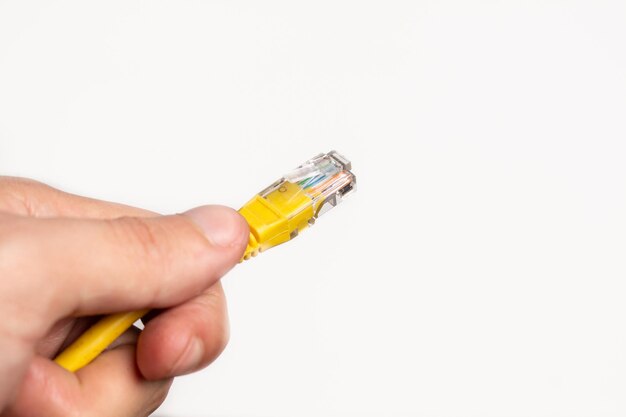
(65, 259)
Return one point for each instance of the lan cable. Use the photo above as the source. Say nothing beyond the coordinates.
(275, 215)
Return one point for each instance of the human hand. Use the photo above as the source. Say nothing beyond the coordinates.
(64, 258)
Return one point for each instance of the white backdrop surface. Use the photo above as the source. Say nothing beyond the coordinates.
(480, 269)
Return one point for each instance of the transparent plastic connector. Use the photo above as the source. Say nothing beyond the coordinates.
(278, 213)
(325, 180)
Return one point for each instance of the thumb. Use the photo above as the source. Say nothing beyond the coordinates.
(86, 266)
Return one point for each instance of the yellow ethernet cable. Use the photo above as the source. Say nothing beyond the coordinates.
(275, 215)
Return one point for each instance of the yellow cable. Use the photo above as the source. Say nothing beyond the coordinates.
(276, 215)
(96, 339)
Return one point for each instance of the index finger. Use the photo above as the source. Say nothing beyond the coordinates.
(26, 197)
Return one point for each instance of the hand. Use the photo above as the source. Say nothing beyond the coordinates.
(64, 258)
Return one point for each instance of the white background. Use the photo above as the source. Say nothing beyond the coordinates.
(479, 270)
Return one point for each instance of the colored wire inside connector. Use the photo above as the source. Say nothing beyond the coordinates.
(278, 213)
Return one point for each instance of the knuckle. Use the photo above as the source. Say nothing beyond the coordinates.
(212, 314)
(148, 249)
(18, 248)
(164, 248)
(19, 194)
(222, 339)
(147, 239)
(167, 252)
(16, 251)
(158, 396)
(223, 333)
(18, 183)
(219, 338)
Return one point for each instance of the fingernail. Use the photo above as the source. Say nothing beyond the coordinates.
(191, 359)
(221, 225)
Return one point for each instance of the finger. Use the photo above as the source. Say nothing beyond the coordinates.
(26, 197)
(86, 267)
(109, 386)
(185, 338)
(129, 337)
(57, 334)
(63, 333)
(63, 330)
